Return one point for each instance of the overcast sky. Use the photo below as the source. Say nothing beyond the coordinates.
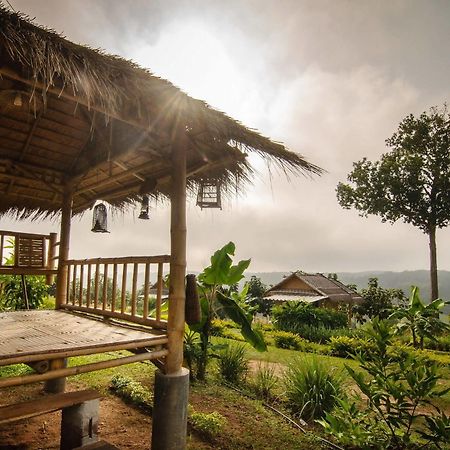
(331, 79)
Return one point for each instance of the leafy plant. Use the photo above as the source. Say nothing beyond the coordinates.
(264, 381)
(291, 316)
(345, 346)
(395, 389)
(378, 301)
(210, 424)
(132, 391)
(421, 320)
(218, 298)
(353, 427)
(312, 389)
(233, 363)
(287, 340)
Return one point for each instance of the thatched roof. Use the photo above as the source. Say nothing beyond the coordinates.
(69, 113)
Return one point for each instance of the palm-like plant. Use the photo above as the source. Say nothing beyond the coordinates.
(218, 296)
(420, 319)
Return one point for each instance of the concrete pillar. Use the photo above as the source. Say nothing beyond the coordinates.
(58, 384)
(79, 425)
(169, 426)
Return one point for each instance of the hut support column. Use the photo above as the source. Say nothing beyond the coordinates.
(59, 384)
(172, 387)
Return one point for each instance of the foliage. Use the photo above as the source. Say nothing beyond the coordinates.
(233, 363)
(255, 296)
(421, 320)
(353, 427)
(210, 424)
(320, 334)
(441, 343)
(264, 381)
(11, 293)
(395, 389)
(292, 315)
(411, 182)
(312, 389)
(345, 346)
(132, 391)
(378, 301)
(285, 339)
(219, 327)
(218, 297)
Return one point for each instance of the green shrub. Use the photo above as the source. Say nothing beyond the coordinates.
(264, 381)
(348, 425)
(345, 346)
(210, 424)
(233, 334)
(132, 391)
(233, 363)
(312, 388)
(219, 327)
(286, 340)
(442, 343)
(291, 316)
(395, 391)
(11, 295)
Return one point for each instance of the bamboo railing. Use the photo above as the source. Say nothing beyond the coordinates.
(34, 254)
(128, 288)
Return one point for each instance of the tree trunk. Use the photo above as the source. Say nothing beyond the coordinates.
(433, 264)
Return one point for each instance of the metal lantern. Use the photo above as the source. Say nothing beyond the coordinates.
(144, 208)
(100, 219)
(209, 194)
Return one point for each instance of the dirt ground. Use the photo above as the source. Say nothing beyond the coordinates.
(119, 424)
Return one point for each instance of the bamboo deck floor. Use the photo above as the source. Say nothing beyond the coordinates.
(26, 333)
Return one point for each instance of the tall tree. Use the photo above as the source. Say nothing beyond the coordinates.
(409, 183)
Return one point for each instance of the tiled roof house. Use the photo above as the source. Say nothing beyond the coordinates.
(312, 288)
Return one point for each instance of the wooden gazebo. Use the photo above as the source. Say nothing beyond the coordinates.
(78, 126)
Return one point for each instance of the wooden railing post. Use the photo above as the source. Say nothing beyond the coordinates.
(175, 324)
(51, 255)
(64, 242)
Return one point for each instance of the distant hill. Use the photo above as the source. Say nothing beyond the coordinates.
(400, 280)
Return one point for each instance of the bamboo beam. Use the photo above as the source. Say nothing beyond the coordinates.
(175, 325)
(64, 243)
(60, 373)
(123, 260)
(151, 342)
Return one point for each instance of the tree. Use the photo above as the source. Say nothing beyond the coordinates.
(420, 319)
(255, 293)
(411, 182)
(378, 301)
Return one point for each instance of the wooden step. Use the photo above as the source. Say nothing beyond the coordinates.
(47, 404)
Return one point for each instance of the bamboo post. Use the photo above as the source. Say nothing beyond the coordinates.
(64, 242)
(169, 424)
(51, 255)
(175, 325)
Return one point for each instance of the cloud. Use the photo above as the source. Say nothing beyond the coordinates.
(330, 79)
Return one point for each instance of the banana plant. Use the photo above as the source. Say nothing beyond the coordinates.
(217, 295)
(420, 319)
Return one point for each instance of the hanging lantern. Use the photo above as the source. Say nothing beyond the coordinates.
(209, 194)
(144, 208)
(100, 219)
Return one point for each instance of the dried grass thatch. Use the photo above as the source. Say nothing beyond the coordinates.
(108, 124)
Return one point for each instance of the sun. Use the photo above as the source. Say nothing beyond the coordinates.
(193, 56)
